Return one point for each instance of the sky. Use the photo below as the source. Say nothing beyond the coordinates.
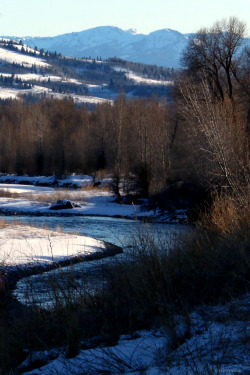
(55, 17)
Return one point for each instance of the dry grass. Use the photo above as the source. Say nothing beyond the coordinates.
(211, 265)
(2, 223)
(227, 215)
(5, 193)
(105, 188)
(56, 195)
(101, 174)
(49, 197)
(65, 194)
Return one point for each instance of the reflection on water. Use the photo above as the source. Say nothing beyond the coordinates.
(63, 285)
(116, 231)
(70, 283)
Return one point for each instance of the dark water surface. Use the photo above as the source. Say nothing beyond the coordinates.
(72, 282)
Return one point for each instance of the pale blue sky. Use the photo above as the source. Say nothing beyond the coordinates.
(54, 17)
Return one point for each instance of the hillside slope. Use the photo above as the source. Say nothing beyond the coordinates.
(29, 72)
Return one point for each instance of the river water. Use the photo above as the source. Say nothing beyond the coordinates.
(70, 283)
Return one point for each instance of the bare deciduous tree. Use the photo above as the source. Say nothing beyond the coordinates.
(218, 51)
(220, 134)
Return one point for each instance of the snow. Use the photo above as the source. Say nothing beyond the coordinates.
(41, 78)
(217, 342)
(19, 47)
(28, 61)
(16, 93)
(131, 352)
(148, 81)
(79, 180)
(212, 339)
(34, 77)
(82, 98)
(18, 189)
(8, 93)
(97, 202)
(39, 90)
(23, 245)
(138, 79)
(162, 47)
(132, 31)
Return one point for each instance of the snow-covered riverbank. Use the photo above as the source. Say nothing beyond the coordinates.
(96, 202)
(93, 201)
(31, 199)
(212, 340)
(23, 245)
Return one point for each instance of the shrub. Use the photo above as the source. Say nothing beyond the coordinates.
(209, 265)
(227, 215)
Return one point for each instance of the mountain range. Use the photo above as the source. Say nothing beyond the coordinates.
(161, 47)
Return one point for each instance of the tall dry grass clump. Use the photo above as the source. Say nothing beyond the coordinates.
(4, 193)
(2, 223)
(227, 216)
(51, 197)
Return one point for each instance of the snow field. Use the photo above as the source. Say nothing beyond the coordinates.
(24, 245)
(15, 57)
(216, 344)
(39, 90)
(96, 202)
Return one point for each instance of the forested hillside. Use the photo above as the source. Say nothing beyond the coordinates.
(35, 74)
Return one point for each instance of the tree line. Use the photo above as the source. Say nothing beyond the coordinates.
(128, 138)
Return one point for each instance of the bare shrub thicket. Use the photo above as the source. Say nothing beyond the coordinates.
(213, 97)
(129, 138)
(221, 135)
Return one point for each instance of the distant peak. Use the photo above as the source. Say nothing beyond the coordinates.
(165, 30)
(132, 31)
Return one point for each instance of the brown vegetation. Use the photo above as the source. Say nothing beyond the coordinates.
(129, 138)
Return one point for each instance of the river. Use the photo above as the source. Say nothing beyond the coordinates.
(68, 284)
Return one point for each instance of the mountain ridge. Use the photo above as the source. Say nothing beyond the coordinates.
(161, 47)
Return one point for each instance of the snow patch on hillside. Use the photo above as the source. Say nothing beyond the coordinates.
(17, 58)
(147, 81)
(34, 77)
(142, 80)
(6, 93)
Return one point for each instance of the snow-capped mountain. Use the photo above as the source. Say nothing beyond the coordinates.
(162, 47)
